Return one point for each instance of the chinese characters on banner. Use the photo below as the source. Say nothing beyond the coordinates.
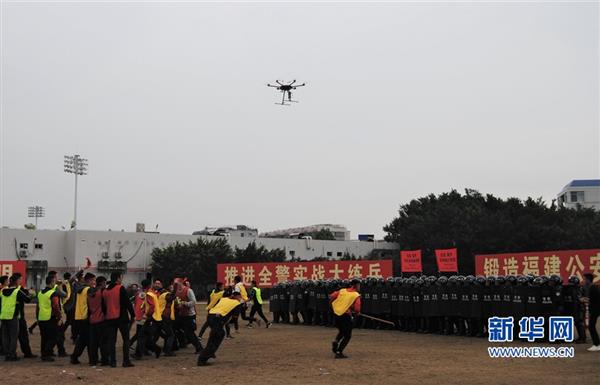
(410, 261)
(447, 260)
(564, 263)
(11, 267)
(269, 274)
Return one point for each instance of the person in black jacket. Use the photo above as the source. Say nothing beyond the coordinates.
(11, 323)
(593, 301)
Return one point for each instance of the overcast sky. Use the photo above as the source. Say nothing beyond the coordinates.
(169, 103)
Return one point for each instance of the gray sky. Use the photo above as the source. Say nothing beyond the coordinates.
(169, 104)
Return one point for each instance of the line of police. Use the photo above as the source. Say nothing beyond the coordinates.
(427, 304)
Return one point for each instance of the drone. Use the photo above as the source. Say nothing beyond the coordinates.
(286, 89)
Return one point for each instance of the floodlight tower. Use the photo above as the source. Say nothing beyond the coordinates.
(75, 164)
(36, 212)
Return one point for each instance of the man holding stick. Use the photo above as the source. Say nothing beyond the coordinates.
(344, 302)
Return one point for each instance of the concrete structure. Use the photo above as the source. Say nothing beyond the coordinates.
(584, 193)
(113, 250)
(340, 232)
(237, 231)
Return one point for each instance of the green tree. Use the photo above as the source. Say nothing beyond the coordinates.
(196, 260)
(478, 224)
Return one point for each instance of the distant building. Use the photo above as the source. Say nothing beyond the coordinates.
(581, 192)
(241, 231)
(131, 252)
(340, 232)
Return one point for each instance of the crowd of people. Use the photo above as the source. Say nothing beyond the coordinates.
(96, 310)
(455, 305)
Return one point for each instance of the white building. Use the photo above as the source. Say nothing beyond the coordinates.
(45, 250)
(582, 192)
(340, 232)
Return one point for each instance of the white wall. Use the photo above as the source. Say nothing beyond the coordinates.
(66, 250)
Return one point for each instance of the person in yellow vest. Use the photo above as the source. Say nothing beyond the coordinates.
(166, 301)
(13, 298)
(256, 296)
(215, 295)
(153, 324)
(344, 303)
(218, 317)
(81, 318)
(48, 315)
(3, 284)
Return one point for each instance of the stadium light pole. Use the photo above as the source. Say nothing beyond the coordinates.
(75, 164)
(36, 212)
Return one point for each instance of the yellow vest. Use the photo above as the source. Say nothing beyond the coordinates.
(157, 314)
(68, 287)
(81, 307)
(215, 296)
(162, 300)
(243, 292)
(224, 307)
(344, 300)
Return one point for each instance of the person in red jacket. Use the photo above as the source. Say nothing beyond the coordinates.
(119, 315)
(139, 308)
(96, 318)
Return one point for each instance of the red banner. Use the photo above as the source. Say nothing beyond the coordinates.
(268, 274)
(11, 267)
(447, 260)
(564, 263)
(410, 261)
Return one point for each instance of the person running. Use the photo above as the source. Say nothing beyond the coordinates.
(215, 295)
(344, 302)
(256, 297)
(118, 317)
(218, 317)
(13, 299)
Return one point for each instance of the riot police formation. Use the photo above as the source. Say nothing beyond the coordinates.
(455, 305)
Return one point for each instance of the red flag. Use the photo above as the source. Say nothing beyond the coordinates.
(447, 260)
(410, 261)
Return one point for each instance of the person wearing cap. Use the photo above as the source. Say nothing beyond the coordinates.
(218, 317)
(344, 302)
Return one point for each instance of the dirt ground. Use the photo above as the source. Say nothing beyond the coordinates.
(301, 355)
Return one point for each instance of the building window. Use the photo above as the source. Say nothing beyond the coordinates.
(329, 253)
(577, 197)
(339, 253)
(39, 246)
(24, 246)
(242, 235)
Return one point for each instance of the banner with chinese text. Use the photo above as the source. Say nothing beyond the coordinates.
(268, 274)
(410, 261)
(447, 260)
(11, 267)
(564, 263)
